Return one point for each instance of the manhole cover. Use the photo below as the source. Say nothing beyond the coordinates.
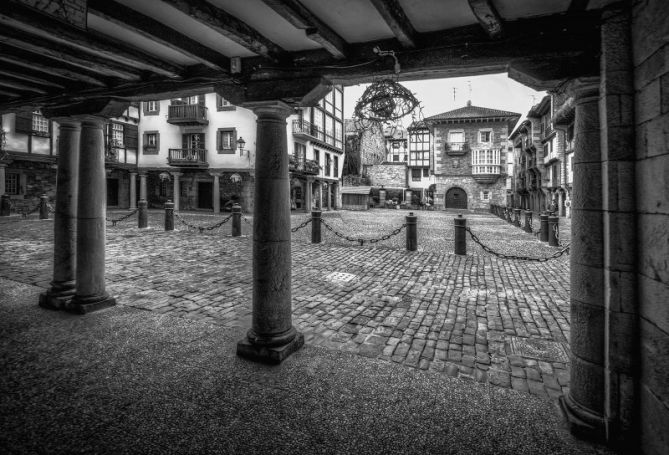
(532, 348)
(340, 277)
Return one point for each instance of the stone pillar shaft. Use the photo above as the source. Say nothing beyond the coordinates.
(2, 178)
(65, 217)
(142, 186)
(91, 230)
(133, 190)
(272, 336)
(329, 196)
(216, 193)
(176, 189)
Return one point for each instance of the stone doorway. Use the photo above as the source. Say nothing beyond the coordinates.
(456, 198)
(112, 192)
(204, 195)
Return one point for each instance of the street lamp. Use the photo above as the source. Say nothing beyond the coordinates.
(240, 144)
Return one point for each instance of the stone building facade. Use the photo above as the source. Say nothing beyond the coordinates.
(469, 155)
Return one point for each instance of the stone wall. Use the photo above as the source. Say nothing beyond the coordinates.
(650, 50)
(388, 175)
(474, 190)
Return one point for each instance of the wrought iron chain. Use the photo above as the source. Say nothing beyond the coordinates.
(511, 256)
(202, 228)
(123, 218)
(31, 211)
(297, 228)
(556, 230)
(362, 241)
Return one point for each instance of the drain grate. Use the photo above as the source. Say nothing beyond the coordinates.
(550, 351)
(340, 277)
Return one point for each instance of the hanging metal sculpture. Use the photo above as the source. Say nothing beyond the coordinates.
(386, 102)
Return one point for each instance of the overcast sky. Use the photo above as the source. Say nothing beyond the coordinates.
(495, 91)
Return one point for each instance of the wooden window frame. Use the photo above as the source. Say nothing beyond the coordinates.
(233, 141)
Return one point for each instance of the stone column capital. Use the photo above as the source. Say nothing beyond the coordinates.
(176, 175)
(142, 173)
(216, 174)
(275, 108)
(583, 88)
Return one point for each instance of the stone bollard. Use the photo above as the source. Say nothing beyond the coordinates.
(543, 233)
(412, 232)
(169, 216)
(528, 221)
(236, 220)
(44, 207)
(5, 205)
(315, 226)
(516, 217)
(143, 217)
(460, 224)
(552, 226)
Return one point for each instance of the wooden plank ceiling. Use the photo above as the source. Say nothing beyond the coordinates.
(60, 53)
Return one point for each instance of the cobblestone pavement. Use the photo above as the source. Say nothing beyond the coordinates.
(476, 316)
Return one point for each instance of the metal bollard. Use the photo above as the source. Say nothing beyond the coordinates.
(44, 207)
(460, 224)
(5, 205)
(169, 216)
(315, 226)
(143, 217)
(543, 233)
(516, 217)
(412, 232)
(528, 221)
(552, 225)
(236, 220)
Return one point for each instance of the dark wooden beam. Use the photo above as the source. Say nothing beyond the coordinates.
(146, 26)
(578, 5)
(23, 18)
(397, 20)
(487, 16)
(46, 66)
(299, 16)
(5, 82)
(228, 26)
(24, 42)
(9, 94)
(29, 77)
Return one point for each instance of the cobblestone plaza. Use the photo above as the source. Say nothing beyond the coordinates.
(477, 317)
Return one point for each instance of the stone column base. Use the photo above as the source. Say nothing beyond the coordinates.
(58, 296)
(83, 305)
(581, 422)
(269, 354)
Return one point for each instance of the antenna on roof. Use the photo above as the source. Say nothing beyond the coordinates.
(469, 84)
(454, 94)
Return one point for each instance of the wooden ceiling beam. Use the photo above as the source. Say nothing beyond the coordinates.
(150, 28)
(24, 76)
(578, 5)
(228, 26)
(74, 76)
(24, 42)
(24, 18)
(397, 20)
(300, 17)
(488, 17)
(4, 82)
(9, 94)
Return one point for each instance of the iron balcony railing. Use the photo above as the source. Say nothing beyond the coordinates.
(187, 114)
(187, 157)
(303, 166)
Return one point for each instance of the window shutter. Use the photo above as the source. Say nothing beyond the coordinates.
(145, 140)
(219, 145)
(158, 141)
(130, 134)
(23, 122)
(145, 108)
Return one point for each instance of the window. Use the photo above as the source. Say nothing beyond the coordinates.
(419, 148)
(457, 137)
(416, 174)
(40, 124)
(486, 161)
(12, 183)
(151, 142)
(485, 195)
(485, 136)
(163, 187)
(426, 172)
(317, 156)
(192, 99)
(152, 107)
(226, 140)
(328, 164)
(223, 105)
(336, 166)
(117, 135)
(300, 152)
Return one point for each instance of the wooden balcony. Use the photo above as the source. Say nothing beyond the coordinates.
(196, 158)
(457, 148)
(187, 114)
(486, 173)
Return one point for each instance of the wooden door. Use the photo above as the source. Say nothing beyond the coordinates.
(456, 198)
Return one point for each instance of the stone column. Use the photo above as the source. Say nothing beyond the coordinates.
(177, 190)
(329, 196)
(2, 178)
(272, 336)
(142, 185)
(319, 197)
(216, 193)
(133, 190)
(91, 230)
(307, 194)
(65, 218)
(560, 211)
(584, 404)
(622, 368)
